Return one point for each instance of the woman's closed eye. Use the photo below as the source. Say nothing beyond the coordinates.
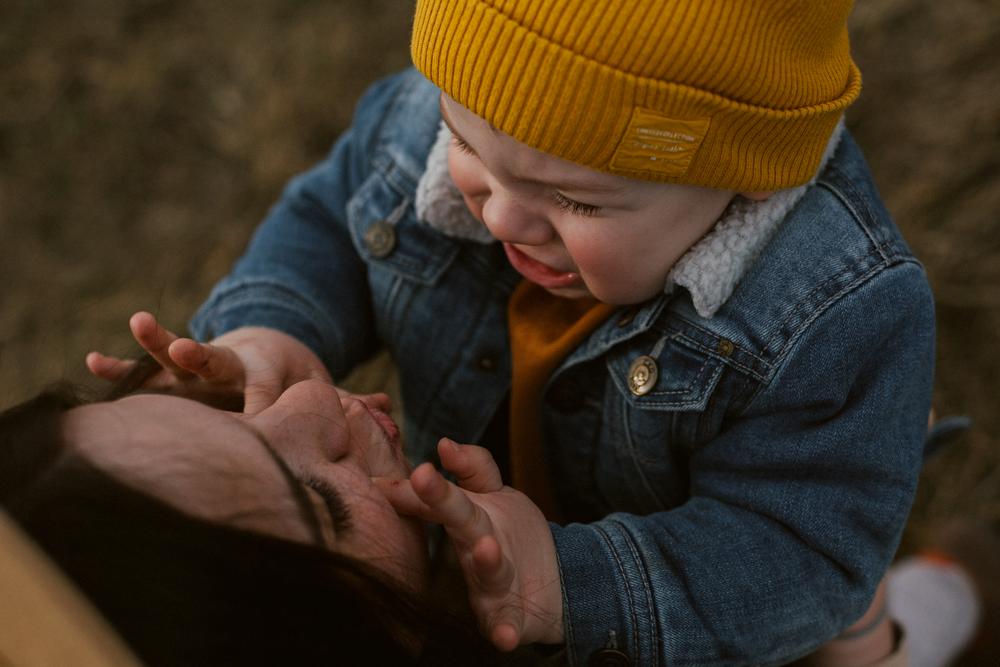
(340, 515)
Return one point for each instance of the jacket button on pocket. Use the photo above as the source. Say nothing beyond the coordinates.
(486, 363)
(627, 316)
(608, 657)
(725, 347)
(642, 375)
(380, 239)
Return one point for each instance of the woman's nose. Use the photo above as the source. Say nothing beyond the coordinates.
(510, 220)
(306, 414)
(312, 395)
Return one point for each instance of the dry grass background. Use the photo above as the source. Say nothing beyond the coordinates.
(141, 141)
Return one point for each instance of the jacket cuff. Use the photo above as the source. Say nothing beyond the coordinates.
(607, 601)
(264, 303)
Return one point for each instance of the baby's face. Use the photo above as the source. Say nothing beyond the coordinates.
(575, 231)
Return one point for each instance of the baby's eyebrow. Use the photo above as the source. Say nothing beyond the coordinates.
(573, 186)
(447, 121)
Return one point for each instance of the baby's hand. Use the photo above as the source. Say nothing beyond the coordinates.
(257, 362)
(502, 539)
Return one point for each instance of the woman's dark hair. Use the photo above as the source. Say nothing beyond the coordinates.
(183, 591)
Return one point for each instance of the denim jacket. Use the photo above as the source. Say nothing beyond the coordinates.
(740, 512)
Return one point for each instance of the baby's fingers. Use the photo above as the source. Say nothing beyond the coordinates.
(155, 340)
(209, 362)
(473, 467)
(261, 391)
(108, 368)
(448, 505)
(501, 612)
(402, 497)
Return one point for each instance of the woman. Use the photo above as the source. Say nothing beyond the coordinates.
(213, 537)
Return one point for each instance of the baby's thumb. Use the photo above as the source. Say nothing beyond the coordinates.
(260, 394)
(474, 467)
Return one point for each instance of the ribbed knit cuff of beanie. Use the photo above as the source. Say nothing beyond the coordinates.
(739, 96)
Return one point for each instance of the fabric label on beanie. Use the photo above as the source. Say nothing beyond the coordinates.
(658, 143)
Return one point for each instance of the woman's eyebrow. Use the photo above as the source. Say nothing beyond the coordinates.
(298, 490)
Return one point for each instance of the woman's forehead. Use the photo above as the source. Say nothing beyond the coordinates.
(148, 427)
(202, 460)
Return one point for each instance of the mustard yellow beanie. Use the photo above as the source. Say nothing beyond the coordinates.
(719, 93)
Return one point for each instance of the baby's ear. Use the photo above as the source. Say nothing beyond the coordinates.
(757, 196)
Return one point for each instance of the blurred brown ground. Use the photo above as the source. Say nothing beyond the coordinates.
(141, 141)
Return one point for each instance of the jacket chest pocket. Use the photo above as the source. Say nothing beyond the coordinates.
(402, 255)
(659, 406)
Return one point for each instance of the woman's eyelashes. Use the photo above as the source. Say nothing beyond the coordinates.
(340, 515)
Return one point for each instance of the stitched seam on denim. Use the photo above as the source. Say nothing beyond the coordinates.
(647, 400)
(392, 306)
(397, 177)
(391, 112)
(597, 347)
(676, 332)
(728, 361)
(451, 363)
(708, 387)
(247, 292)
(849, 204)
(625, 579)
(636, 459)
(424, 270)
(647, 589)
(820, 310)
(567, 618)
(805, 303)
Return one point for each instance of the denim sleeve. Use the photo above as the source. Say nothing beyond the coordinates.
(300, 273)
(795, 510)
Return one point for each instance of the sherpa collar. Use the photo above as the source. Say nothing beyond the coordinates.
(709, 270)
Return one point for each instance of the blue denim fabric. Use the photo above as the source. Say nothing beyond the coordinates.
(740, 513)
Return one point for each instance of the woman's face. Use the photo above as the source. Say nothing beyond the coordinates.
(302, 469)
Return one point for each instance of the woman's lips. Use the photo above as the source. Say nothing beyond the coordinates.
(538, 273)
(385, 422)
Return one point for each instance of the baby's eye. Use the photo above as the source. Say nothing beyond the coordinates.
(573, 206)
(463, 146)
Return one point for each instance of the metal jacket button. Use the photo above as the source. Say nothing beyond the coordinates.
(642, 375)
(486, 363)
(608, 657)
(627, 316)
(381, 239)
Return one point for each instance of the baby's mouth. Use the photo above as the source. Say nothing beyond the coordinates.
(538, 272)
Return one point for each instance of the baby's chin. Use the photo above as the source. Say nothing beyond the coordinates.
(572, 292)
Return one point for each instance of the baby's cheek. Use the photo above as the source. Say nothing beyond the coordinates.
(599, 258)
(617, 275)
